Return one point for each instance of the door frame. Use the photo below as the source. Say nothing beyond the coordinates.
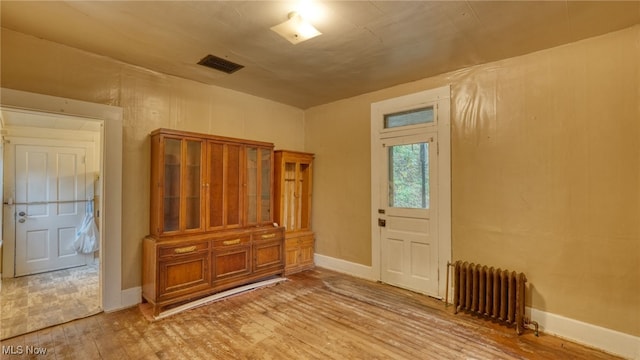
(441, 98)
(112, 295)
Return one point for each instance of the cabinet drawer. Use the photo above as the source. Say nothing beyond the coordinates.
(185, 249)
(231, 241)
(269, 234)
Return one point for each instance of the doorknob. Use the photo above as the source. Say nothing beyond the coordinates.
(22, 213)
(382, 222)
(21, 220)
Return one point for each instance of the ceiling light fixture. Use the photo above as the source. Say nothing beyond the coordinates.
(296, 29)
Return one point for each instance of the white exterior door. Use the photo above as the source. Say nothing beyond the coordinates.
(411, 190)
(408, 214)
(51, 193)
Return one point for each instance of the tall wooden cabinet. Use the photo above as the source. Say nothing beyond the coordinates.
(211, 219)
(293, 194)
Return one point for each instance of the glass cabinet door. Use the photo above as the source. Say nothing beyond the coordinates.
(293, 191)
(297, 195)
(290, 203)
(304, 195)
(265, 186)
(259, 163)
(182, 192)
(252, 185)
(193, 185)
(172, 184)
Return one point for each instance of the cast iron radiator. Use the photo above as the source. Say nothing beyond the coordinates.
(492, 293)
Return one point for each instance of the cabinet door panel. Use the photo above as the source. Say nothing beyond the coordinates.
(306, 250)
(215, 177)
(232, 262)
(183, 275)
(224, 176)
(268, 255)
(292, 253)
(233, 198)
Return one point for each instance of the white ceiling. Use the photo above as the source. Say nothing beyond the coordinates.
(365, 46)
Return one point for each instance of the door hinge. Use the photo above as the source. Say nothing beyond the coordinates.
(437, 148)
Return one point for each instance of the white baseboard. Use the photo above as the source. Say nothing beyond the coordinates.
(219, 296)
(128, 298)
(610, 341)
(345, 267)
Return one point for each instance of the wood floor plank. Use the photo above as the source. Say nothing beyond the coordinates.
(317, 314)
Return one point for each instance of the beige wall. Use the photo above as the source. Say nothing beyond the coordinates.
(150, 100)
(546, 162)
(545, 172)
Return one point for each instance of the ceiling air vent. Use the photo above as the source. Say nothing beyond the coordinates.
(220, 64)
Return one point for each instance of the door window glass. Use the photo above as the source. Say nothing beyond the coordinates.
(409, 176)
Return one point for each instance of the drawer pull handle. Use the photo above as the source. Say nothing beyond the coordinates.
(268, 236)
(185, 250)
(231, 242)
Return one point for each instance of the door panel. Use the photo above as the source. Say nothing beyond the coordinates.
(51, 196)
(409, 257)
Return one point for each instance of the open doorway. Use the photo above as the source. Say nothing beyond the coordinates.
(52, 205)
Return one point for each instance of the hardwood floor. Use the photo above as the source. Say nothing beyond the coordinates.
(317, 314)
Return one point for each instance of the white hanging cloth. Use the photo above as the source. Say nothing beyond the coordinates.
(87, 238)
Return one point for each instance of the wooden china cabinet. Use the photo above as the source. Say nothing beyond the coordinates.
(292, 208)
(211, 223)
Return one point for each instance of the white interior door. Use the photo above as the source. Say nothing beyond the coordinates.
(408, 214)
(51, 193)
